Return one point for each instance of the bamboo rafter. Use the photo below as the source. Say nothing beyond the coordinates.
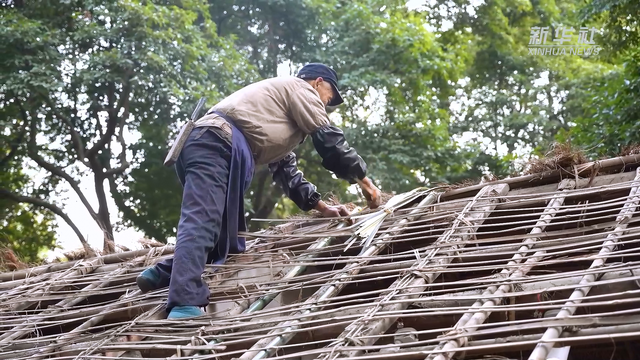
(103, 317)
(546, 342)
(417, 278)
(477, 315)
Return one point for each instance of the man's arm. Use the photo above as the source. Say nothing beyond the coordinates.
(303, 193)
(337, 156)
(287, 175)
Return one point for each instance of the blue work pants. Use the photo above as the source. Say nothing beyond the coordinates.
(203, 170)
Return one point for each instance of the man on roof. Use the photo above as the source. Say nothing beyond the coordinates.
(261, 123)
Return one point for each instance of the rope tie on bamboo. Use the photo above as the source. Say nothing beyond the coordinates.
(354, 341)
(460, 334)
(334, 346)
(422, 267)
(246, 295)
(83, 267)
(420, 274)
(461, 218)
(346, 341)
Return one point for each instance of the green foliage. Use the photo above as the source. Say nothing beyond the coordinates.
(396, 80)
(24, 228)
(439, 95)
(620, 20)
(508, 97)
(606, 106)
(82, 75)
(605, 103)
(150, 195)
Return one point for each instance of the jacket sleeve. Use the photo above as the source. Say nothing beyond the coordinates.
(311, 117)
(287, 175)
(337, 155)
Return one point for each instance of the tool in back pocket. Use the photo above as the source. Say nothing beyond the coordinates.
(186, 129)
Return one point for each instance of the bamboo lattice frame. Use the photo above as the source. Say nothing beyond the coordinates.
(512, 269)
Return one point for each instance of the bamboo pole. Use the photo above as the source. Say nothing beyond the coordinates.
(478, 313)
(518, 198)
(93, 320)
(596, 335)
(58, 282)
(332, 322)
(33, 321)
(44, 352)
(416, 280)
(343, 319)
(490, 253)
(614, 280)
(546, 342)
(104, 259)
(17, 287)
(335, 284)
(468, 298)
(156, 314)
(590, 336)
(244, 306)
(546, 177)
(515, 183)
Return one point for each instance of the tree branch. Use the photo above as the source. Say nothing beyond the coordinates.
(124, 164)
(112, 122)
(15, 145)
(6, 194)
(78, 144)
(127, 211)
(55, 170)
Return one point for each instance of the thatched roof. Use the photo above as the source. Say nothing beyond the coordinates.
(508, 269)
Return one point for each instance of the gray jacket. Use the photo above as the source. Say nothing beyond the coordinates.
(276, 115)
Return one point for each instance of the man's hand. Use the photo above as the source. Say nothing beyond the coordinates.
(331, 211)
(370, 192)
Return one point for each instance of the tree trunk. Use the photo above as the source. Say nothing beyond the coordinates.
(103, 216)
(53, 208)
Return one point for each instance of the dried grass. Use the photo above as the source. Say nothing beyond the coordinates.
(149, 243)
(562, 156)
(459, 185)
(75, 254)
(385, 197)
(9, 261)
(633, 149)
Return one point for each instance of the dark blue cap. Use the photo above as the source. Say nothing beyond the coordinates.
(313, 71)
